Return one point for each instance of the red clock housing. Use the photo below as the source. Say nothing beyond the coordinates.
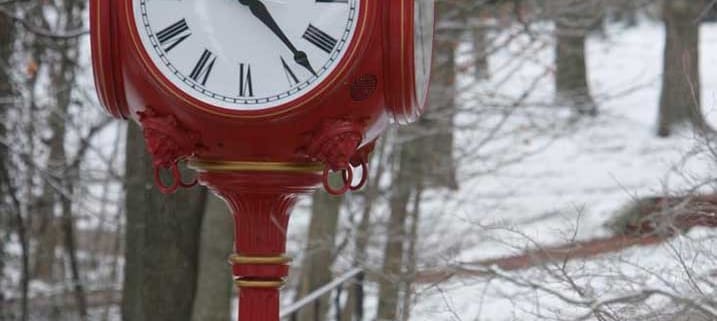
(261, 160)
(405, 96)
(376, 75)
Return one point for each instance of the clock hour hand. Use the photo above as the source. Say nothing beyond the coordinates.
(259, 10)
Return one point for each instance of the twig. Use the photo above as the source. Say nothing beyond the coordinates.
(71, 34)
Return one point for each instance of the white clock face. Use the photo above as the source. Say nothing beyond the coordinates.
(423, 44)
(246, 55)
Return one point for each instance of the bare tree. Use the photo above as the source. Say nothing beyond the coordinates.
(354, 307)
(481, 67)
(214, 289)
(9, 215)
(174, 267)
(574, 283)
(574, 20)
(162, 242)
(319, 253)
(423, 159)
(680, 101)
(436, 130)
(405, 179)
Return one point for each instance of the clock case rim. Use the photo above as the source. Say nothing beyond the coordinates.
(402, 96)
(332, 82)
(105, 60)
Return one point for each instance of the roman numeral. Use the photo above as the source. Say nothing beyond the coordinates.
(320, 39)
(246, 88)
(173, 35)
(290, 75)
(204, 67)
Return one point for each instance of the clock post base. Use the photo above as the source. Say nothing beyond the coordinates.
(261, 201)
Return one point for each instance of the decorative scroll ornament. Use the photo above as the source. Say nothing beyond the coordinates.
(337, 146)
(169, 143)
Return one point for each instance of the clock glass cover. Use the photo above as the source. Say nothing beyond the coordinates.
(246, 55)
(423, 46)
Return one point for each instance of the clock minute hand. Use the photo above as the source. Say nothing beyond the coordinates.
(262, 13)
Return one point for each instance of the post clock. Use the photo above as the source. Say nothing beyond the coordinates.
(263, 98)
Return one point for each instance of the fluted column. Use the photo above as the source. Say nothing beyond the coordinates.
(261, 203)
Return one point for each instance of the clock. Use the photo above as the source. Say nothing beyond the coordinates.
(262, 80)
(235, 56)
(409, 59)
(263, 98)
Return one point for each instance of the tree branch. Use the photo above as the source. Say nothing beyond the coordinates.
(71, 34)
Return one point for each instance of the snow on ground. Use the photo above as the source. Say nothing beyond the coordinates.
(571, 181)
(592, 167)
(611, 276)
(546, 178)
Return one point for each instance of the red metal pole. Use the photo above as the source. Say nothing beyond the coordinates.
(261, 203)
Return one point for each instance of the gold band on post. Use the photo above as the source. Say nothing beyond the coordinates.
(259, 260)
(258, 284)
(227, 166)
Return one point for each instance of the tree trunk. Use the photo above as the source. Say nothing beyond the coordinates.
(571, 75)
(437, 125)
(214, 286)
(7, 97)
(45, 230)
(63, 72)
(404, 181)
(354, 308)
(411, 256)
(70, 244)
(319, 253)
(680, 100)
(18, 190)
(162, 248)
(422, 161)
(481, 67)
(45, 224)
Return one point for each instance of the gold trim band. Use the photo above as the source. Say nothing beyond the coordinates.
(259, 260)
(226, 166)
(259, 284)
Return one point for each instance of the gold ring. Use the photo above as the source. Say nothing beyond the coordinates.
(259, 260)
(258, 284)
(227, 166)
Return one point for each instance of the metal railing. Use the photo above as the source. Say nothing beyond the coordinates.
(313, 296)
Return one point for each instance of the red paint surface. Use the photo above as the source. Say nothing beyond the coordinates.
(258, 305)
(261, 203)
(336, 124)
(401, 91)
(127, 83)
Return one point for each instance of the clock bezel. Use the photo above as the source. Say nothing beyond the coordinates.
(402, 96)
(334, 79)
(110, 90)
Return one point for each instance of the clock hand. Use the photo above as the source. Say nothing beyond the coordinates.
(262, 13)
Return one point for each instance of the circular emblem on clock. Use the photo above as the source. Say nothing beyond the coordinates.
(246, 55)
